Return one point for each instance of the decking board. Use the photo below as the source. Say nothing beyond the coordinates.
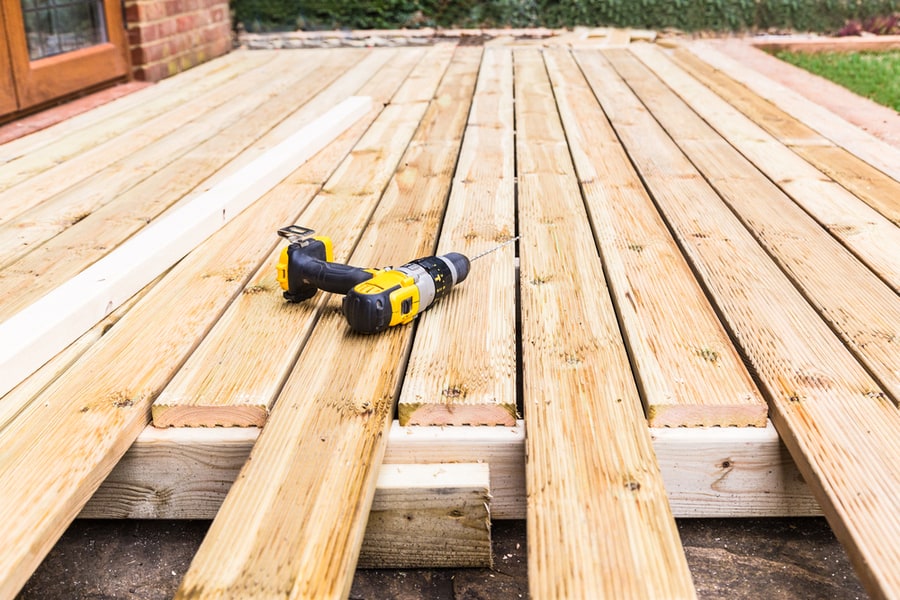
(454, 378)
(58, 450)
(852, 299)
(808, 376)
(321, 447)
(802, 365)
(63, 238)
(869, 184)
(687, 368)
(221, 385)
(599, 524)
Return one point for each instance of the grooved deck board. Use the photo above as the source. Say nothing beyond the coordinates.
(599, 524)
(58, 242)
(643, 203)
(219, 385)
(869, 184)
(325, 438)
(847, 456)
(853, 300)
(881, 155)
(453, 378)
(688, 370)
(58, 450)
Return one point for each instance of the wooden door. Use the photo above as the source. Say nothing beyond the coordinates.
(60, 47)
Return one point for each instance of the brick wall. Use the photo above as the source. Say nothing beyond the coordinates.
(169, 36)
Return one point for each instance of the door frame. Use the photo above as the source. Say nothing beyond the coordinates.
(40, 81)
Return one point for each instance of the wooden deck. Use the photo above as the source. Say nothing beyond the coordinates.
(720, 265)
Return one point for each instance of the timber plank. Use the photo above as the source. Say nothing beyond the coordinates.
(864, 231)
(839, 427)
(112, 215)
(468, 379)
(867, 183)
(57, 452)
(430, 516)
(219, 385)
(860, 308)
(688, 370)
(49, 170)
(879, 154)
(599, 524)
(325, 438)
(423, 515)
(709, 472)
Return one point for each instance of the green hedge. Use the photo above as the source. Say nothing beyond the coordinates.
(687, 15)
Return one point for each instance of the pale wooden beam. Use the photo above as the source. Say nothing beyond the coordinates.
(688, 369)
(61, 447)
(184, 473)
(852, 299)
(218, 386)
(37, 333)
(599, 523)
(839, 426)
(867, 183)
(430, 516)
(455, 377)
(323, 443)
(145, 183)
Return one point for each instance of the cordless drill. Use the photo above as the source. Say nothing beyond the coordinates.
(374, 299)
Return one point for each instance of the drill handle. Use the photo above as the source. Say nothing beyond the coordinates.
(336, 278)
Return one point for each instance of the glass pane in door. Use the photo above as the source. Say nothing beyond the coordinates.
(57, 26)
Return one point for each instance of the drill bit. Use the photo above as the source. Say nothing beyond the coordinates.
(495, 248)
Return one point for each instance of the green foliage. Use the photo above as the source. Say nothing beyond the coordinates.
(875, 75)
(687, 15)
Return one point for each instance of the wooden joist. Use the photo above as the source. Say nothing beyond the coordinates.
(687, 368)
(839, 426)
(185, 473)
(455, 377)
(219, 386)
(60, 447)
(854, 301)
(599, 523)
(324, 440)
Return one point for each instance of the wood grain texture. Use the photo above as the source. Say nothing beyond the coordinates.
(434, 515)
(865, 232)
(709, 472)
(838, 425)
(462, 369)
(89, 221)
(855, 302)
(688, 370)
(325, 438)
(879, 154)
(422, 515)
(32, 173)
(60, 448)
(599, 523)
(867, 183)
(221, 384)
(37, 333)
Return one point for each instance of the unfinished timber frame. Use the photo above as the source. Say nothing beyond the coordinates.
(699, 319)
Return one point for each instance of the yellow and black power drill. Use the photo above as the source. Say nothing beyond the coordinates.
(374, 299)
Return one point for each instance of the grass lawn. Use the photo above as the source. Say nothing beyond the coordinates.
(875, 75)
